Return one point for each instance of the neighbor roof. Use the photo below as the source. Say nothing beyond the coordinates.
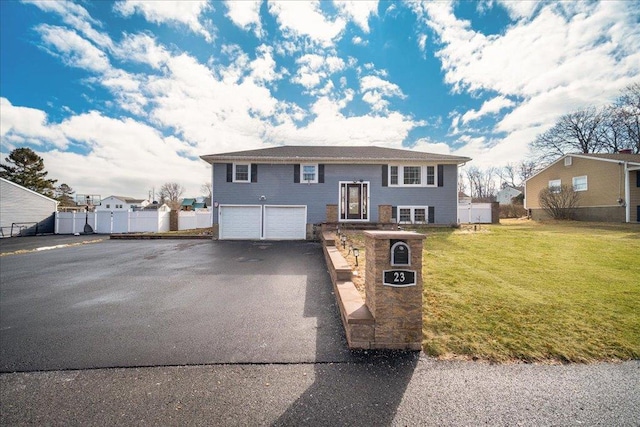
(331, 154)
(618, 157)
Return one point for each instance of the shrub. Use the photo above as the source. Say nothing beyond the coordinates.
(559, 202)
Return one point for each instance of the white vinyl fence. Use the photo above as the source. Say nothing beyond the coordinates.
(128, 222)
(474, 213)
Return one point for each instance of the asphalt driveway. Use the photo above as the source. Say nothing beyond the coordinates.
(162, 303)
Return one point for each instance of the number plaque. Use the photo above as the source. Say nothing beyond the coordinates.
(399, 278)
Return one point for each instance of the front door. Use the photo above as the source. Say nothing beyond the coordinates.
(354, 201)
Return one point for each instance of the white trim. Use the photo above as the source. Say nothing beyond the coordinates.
(248, 165)
(423, 174)
(340, 201)
(413, 214)
(586, 182)
(316, 174)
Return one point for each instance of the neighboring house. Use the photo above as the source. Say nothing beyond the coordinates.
(505, 195)
(121, 204)
(24, 209)
(281, 192)
(193, 204)
(609, 186)
(155, 207)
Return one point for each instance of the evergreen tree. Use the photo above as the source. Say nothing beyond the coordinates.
(26, 168)
(64, 194)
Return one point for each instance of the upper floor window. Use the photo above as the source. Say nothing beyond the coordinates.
(241, 172)
(420, 176)
(580, 183)
(309, 174)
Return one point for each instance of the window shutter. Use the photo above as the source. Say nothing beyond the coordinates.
(432, 215)
(385, 175)
(254, 172)
(440, 175)
(296, 174)
(394, 212)
(637, 178)
(321, 174)
(229, 172)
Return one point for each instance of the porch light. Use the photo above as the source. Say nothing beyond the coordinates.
(343, 238)
(356, 253)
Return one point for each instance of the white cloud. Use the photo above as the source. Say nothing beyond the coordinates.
(142, 48)
(263, 68)
(314, 69)
(300, 19)
(74, 50)
(491, 106)
(428, 146)
(245, 14)
(169, 11)
(357, 40)
(375, 90)
(358, 11)
(23, 125)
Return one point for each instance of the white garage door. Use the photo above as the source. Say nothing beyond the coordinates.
(285, 222)
(255, 222)
(240, 222)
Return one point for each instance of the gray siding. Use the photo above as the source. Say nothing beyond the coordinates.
(275, 182)
(18, 204)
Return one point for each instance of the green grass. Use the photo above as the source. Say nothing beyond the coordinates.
(563, 291)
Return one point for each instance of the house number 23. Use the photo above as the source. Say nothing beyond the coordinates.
(398, 277)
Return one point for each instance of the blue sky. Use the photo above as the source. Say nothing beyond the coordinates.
(120, 97)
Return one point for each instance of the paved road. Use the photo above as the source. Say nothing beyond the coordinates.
(151, 303)
(257, 326)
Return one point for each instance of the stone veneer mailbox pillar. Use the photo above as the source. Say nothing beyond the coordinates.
(393, 286)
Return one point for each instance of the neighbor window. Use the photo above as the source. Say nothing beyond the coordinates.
(431, 175)
(309, 174)
(580, 183)
(241, 173)
(108, 206)
(393, 173)
(567, 161)
(555, 185)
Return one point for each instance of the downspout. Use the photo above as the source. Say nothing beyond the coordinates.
(627, 193)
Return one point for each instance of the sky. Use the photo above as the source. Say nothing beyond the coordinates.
(121, 97)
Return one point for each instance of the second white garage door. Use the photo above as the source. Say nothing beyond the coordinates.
(270, 222)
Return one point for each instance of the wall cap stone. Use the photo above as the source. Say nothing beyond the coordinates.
(399, 235)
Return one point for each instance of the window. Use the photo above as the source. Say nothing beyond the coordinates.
(580, 183)
(431, 175)
(108, 206)
(309, 174)
(555, 185)
(418, 176)
(393, 172)
(413, 214)
(411, 175)
(568, 161)
(241, 173)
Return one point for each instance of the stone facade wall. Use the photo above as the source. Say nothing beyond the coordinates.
(384, 213)
(397, 310)
(332, 213)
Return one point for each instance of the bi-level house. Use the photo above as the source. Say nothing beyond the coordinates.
(281, 192)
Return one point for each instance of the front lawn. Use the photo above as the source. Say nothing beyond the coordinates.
(524, 290)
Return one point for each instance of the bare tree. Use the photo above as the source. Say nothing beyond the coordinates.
(577, 132)
(627, 110)
(207, 190)
(482, 183)
(170, 193)
(559, 202)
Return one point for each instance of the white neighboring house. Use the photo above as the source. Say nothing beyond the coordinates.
(156, 207)
(121, 204)
(505, 195)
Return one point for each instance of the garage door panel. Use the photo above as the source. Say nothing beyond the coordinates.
(285, 222)
(240, 222)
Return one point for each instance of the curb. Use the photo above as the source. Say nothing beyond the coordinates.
(158, 237)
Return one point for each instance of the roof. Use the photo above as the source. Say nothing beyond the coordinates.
(331, 154)
(199, 205)
(187, 202)
(632, 159)
(126, 199)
